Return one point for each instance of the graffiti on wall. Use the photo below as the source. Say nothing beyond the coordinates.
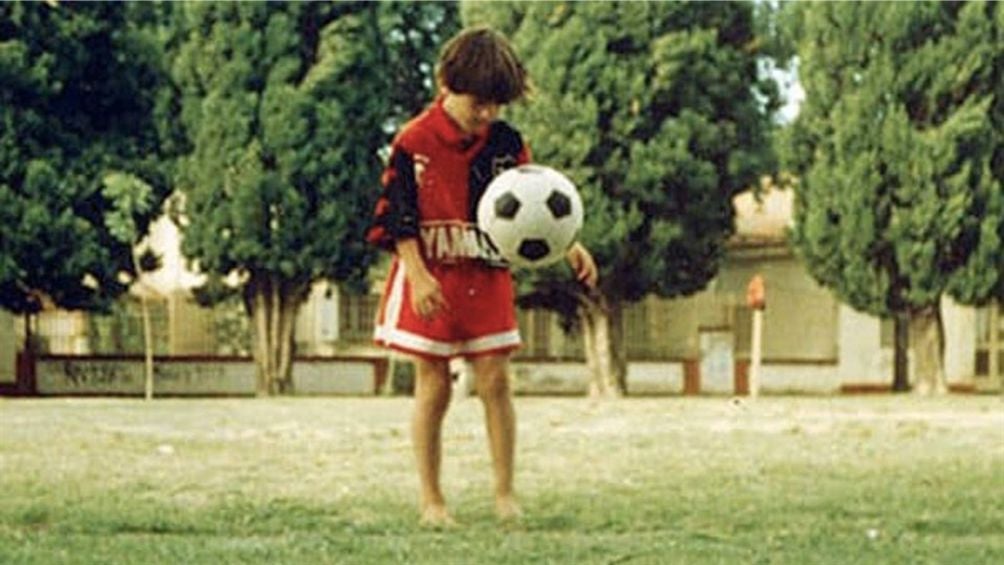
(128, 376)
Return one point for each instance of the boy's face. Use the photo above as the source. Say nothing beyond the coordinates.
(471, 114)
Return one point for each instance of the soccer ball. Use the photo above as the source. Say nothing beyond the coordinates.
(531, 214)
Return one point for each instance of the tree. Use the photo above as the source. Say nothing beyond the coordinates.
(130, 196)
(81, 96)
(657, 113)
(900, 152)
(412, 33)
(286, 106)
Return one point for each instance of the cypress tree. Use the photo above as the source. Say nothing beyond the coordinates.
(899, 148)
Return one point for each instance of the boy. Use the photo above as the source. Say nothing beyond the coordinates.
(448, 293)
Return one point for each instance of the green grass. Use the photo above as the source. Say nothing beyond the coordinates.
(654, 480)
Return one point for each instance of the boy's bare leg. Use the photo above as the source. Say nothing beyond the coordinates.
(432, 398)
(491, 373)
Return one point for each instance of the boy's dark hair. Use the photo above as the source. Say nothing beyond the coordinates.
(479, 61)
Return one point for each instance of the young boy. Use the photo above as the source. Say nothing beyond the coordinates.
(448, 293)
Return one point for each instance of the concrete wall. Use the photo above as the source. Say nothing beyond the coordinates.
(573, 378)
(549, 378)
(668, 378)
(59, 375)
(800, 322)
(799, 378)
(655, 378)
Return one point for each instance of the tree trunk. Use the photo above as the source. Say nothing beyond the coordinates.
(901, 331)
(274, 331)
(928, 338)
(275, 304)
(603, 340)
(29, 345)
(262, 357)
(147, 348)
(618, 353)
(25, 377)
(589, 347)
(287, 321)
(144, 308)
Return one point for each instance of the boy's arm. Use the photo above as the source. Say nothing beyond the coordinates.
(583, 264)
(396, 228)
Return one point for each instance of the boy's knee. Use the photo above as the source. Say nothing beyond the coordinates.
(491, 376)
(493, 386)
(434, 391)
(433, 386)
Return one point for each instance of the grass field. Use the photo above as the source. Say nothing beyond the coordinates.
(656, 480)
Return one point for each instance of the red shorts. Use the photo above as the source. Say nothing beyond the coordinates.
(480, 317)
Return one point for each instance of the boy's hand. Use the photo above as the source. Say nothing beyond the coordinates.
(582, 263)
(427, 298)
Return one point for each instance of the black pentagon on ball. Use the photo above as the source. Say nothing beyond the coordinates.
(506, 206)
(559, 203)
(534, 249)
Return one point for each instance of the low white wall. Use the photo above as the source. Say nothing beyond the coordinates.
(649, 377)
(549, 378)
(194, 377)
(799, 378)
(339, 377)
(573, 378)
(654, 377)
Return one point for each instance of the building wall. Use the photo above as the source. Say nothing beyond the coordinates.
(572, 378)
(960, 341)
(862, 359)
(801, 317)
(989, 366)
(191, 328)
(61, 331)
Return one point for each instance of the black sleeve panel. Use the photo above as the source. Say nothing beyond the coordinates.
(396, 214)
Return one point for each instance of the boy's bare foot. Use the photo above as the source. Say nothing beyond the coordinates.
(507, 509)
(437, 516)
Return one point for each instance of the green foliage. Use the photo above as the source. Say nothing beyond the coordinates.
(81, 96)
(657, 113)
(900, 151)
(129, 196)
(284, 104)
(232, 327)
(412, 34)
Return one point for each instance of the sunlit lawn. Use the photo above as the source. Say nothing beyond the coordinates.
(655, 480)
